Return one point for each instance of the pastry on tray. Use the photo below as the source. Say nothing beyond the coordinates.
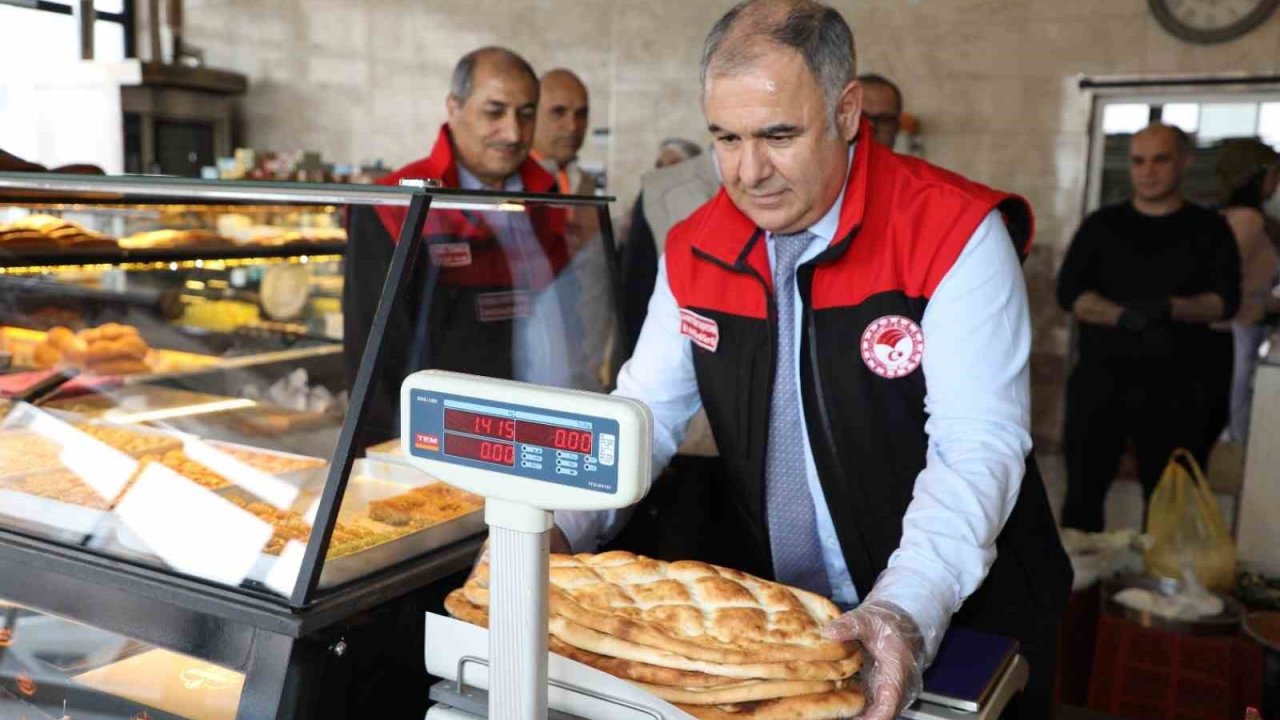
(49, 233)
(273, 463)
(130, 442)
(109, 349)
(423, 506)
(347, 537)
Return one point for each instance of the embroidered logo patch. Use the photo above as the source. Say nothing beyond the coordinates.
(892, 346)
(703, 331)
(499, 306)
(451, 255)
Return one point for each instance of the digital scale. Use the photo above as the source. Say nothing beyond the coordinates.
(530, 450)
(522, 449)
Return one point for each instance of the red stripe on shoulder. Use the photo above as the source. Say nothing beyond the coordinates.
(916, 222)
(701, 269)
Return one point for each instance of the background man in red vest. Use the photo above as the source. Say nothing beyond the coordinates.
(855, 323)
(491, 266)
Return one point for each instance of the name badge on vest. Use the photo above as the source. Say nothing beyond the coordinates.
(450, 255)
(703, 331)
(499, 306)
(892, 346)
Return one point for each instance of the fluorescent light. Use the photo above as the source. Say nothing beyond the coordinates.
(185, 411)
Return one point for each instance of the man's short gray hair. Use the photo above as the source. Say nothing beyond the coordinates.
(818, 32)
(464, 73)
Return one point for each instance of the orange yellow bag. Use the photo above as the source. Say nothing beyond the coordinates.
(1187, 529)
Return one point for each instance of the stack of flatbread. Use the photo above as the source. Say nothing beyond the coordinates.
(716, 642)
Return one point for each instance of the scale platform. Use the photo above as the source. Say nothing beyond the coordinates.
(454, 702)
(456, 652)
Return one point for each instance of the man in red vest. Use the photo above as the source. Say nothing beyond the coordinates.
(855, 324)
(492, 266)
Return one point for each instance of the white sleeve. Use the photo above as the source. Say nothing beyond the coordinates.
(977, 344)
(659, 374)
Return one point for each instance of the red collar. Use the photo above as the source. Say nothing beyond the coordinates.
(442, 165)
(730, 241)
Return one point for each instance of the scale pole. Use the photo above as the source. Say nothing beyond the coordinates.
(519, 553)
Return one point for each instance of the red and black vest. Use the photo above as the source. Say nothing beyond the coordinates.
(467, 323)
(475, 300)
(902, 225)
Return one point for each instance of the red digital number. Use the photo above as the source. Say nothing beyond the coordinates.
(573, 441)
(477, 424)
(500, 453)
(494, 451)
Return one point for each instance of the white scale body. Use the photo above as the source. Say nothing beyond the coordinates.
(528, 450)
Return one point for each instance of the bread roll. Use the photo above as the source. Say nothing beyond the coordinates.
(75, 350)
(46, 356)
(115, 331)
(132, 346)
(102, 350)
(58, 336)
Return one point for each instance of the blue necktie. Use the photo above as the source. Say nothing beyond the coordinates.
(793, 527)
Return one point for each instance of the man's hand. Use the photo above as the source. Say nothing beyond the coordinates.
(893, 666)
(1139, 316)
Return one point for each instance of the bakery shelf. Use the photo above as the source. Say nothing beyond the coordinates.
(23, 188)
(12, 263)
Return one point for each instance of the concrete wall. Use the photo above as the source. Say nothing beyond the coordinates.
(993, 82)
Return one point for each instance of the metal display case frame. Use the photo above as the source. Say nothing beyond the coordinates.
(281, 644)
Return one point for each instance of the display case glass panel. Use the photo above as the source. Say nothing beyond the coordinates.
(56, 669)
(150, 420)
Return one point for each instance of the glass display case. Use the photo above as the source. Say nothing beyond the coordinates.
(197, 469)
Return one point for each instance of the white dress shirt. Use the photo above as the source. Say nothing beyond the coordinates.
(544, 350)
(977, 334)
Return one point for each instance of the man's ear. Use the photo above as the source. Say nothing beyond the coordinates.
(849, 111)
(453, 106)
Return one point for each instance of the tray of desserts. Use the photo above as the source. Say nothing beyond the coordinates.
(37, 489)
(49, 234)
(390, 513)
(38, 492)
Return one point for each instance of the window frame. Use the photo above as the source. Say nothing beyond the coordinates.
(126, 19)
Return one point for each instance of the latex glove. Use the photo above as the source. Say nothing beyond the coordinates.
(893, 664)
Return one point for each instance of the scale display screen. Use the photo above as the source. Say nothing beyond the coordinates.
(536, 443)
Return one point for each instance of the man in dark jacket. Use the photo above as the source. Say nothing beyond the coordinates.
(1144, 280)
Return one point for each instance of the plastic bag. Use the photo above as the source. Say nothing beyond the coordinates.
(1187, 529)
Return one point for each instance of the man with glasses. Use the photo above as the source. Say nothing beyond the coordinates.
(882, 104)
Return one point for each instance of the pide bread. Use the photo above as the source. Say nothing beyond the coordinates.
(834, 705)
(697, 610)
(741, 692)
(717, 642)
(457, 605)
(583, 637)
